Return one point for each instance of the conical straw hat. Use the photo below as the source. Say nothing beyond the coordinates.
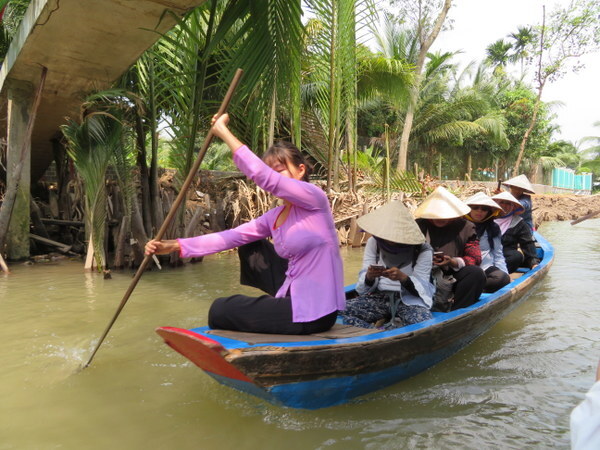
(441, 204)
(521, 182)
(481, 198)
(392, 222)
(507, 196)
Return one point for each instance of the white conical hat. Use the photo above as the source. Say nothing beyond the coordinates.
(481, 198)
(521, 182)
(507, 196)
(392, 222)
(441, 204)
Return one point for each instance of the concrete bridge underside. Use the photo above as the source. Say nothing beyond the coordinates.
(85, 45)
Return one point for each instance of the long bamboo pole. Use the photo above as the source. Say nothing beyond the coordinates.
(178, 200)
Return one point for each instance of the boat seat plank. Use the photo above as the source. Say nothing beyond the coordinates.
(338, 331)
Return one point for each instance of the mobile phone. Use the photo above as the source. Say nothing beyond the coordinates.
(377, 267)
(438, 256)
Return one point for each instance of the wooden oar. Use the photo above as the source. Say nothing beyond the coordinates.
(586, 217)
(173, 210)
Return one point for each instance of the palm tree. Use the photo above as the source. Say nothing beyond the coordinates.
(90, 145)
(332, 80)
(427, 29)
(523, 40)
(498, 54)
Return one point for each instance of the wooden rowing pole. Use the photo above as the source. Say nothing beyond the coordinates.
(172, 211)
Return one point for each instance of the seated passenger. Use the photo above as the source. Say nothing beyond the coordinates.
(517, 240)
(483, 210)
(520, 188)
(393, 284)
(440, 219)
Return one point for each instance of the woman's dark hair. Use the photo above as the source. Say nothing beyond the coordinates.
(287, 153)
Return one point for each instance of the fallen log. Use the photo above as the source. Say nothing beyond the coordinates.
(63, 248)
(73, 223)
(587, 216)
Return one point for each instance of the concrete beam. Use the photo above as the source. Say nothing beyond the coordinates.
(86, 45)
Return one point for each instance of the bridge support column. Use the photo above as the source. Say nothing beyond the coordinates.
(20, 95)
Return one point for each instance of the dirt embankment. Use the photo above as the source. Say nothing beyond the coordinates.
(550, 207)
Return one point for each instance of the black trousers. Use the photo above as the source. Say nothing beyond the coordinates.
(495, 279)
(470, 281)
(514, 259)
(261, 267)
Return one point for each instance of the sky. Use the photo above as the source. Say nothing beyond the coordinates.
(478, 23)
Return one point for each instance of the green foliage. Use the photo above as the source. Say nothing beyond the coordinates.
(89, 146)
(517, 105)
(13, 15)
(372, 164)
(218, 157)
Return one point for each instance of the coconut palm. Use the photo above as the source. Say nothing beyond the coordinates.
(498, 54)
(522, 42)
(89, 144)
(331, 90)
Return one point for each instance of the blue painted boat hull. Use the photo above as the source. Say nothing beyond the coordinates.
(321, 373)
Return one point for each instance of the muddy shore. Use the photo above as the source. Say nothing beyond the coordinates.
(559, 207)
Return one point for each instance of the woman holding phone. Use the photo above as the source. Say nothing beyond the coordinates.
(394, 283)
(440, 219)
(304, 294)
(483, 211)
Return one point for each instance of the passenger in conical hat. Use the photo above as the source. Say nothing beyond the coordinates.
(521, 188)
(394, 282)
(455, 243)
(483, 211)
(515, 234)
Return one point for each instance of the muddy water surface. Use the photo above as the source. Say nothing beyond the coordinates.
(513, 388)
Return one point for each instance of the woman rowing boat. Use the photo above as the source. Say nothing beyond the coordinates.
(303, 233)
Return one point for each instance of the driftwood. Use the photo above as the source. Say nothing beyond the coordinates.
(63, 248)
(3, 265)
(73, 223)
(36, 219)
(587, 216)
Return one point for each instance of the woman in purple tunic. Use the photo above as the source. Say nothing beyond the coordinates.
(306, 297)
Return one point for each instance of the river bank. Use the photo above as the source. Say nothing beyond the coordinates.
(218, 203)
(546, 207)
(560, 207)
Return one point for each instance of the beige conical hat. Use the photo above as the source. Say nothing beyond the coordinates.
(507, 196)
(441, 204)
(521, 182)
(482, 199)
(392, 222)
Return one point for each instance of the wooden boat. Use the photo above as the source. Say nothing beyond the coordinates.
(330, 368)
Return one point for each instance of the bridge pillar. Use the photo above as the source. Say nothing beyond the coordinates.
(20, 95)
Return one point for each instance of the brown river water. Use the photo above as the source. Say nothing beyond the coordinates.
(514, 387)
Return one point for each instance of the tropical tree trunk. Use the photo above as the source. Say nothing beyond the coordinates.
(144, 174)
(153, 181)
(333, 96)
(425, 44)
(272, 118)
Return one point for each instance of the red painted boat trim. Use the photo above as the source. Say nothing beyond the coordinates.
(206, 353)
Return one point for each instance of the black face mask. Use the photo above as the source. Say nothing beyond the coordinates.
(391, 247)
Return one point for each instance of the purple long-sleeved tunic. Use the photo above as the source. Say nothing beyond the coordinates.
(307, 238)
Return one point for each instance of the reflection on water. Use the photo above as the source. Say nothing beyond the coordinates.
(513, 388)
